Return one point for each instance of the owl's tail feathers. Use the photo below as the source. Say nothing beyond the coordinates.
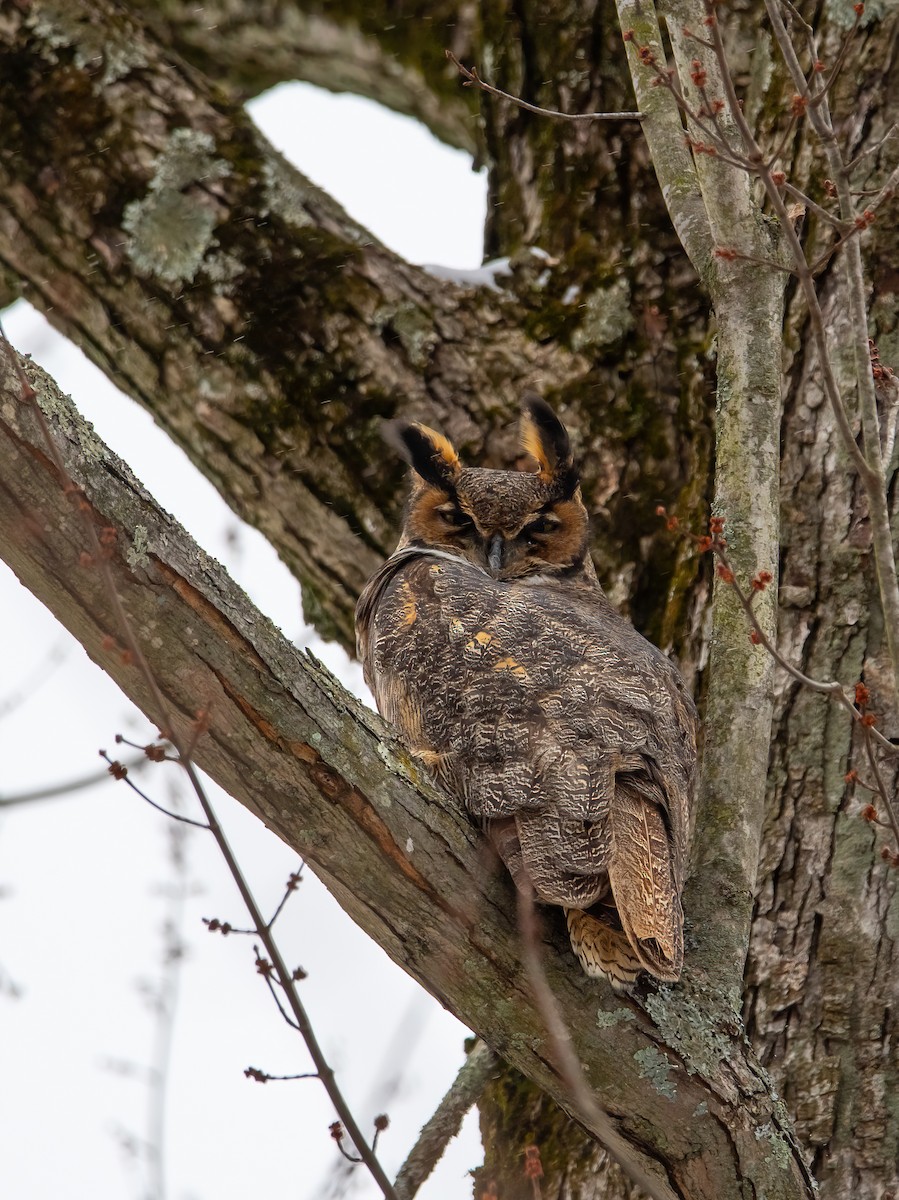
(643, 885)
(602, 950)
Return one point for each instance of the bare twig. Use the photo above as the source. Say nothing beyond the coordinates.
(225, 928)
(473, 79)
(831, 688)
(559, 1035)
(166, 1007)
(444, 1124)
(855, 705)
(880, 786)
(566, 1061)
(809, 203)
(264, 1077)
(381, 1123)
(153, 751)
(834, 72)
(118, 771)
(293, 882)
(868, 462)
(729, 253)
(859, 158)
(51, 790)
(264, 967)
(775, 156)
(337, 1135)
(887, 192)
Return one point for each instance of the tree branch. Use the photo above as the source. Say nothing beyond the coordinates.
(664, 132)
(267, 332)
(322, 772)
(446, 1120)
(713, 200)
(251, 47)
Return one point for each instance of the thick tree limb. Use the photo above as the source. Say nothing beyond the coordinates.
(664, 132)
(389, 56)
(683, 1102)
(269, 334)
(264, 329)
(709, 201)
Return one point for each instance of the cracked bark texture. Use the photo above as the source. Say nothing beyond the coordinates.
(269, 335)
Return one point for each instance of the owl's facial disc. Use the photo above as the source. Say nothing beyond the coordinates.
(512, 524)
(550, 541)
(480, 521)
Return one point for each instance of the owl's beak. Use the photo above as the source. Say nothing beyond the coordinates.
(496, 553)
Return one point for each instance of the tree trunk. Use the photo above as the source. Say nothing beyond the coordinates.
(269, 335)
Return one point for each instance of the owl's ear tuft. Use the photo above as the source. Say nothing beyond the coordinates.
(429, 454)
(545, 438)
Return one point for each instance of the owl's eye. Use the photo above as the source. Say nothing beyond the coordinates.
(454, 518)
(542, 525)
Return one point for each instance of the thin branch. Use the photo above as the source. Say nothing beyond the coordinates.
(446, 1121)
(473, 79)
(850, 166)
(566, 1061)
(719, 147)
(51, 790)
(559, 1035)
(153, 751)
(717, 544)
(871, 470)
(225, 928)
(887, 192)
(778, 151)
(264, 1077)
(861, 224)
(831, 688)
(834, 72)
(166, 1009)
(729, 254)
(381, 1123)
(869, 463)
(293, 882)
(337, 1135)
(271, 987)
(880, 785)
(663, 129)
(809, 203)
(119, 771)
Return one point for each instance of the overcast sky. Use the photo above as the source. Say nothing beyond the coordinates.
(88, 881)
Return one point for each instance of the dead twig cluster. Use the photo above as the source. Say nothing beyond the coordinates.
(878, 748)
(707, 134)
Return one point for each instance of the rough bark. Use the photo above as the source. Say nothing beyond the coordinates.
(820, 991)
(690, 1113)
(270, 335)
(389, 53)
(270, 348)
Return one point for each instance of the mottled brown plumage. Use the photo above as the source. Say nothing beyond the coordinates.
(489, 644)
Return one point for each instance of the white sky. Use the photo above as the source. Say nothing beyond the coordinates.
(86, 879)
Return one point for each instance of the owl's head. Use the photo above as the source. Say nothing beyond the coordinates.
(513, 524)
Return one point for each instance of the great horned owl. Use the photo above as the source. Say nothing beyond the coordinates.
(488, 642)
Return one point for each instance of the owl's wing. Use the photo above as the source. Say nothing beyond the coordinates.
(565, 733)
